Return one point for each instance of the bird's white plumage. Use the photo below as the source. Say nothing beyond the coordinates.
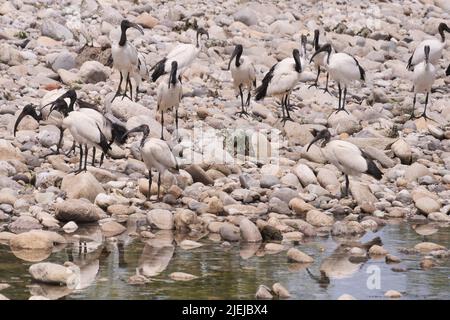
(343, 68)
(284, 79)
(436, 47)
(157, 154)
(345, 156)
(423, 77)
(168, 97)
(184, 54)
(125, 58)
(243, 75)
(83, 129)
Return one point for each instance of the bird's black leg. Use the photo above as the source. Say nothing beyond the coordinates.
(149, 184)
(326, 86)
(93, 156)
(81, 160)
(131, 88)
(248, 98)
(61, 134)
(162, 125)
(424, 114)
(287, 106)
(284, 107)
(343, 100)
(102, 157)
(317, 79)
(242, 112)
(85, 157)
(176, 119)
(136, 95)
(340, 96)
(347, 184)
(127, 81)
(412, 116)
(71, 149)
(159, 183)
(118, 89)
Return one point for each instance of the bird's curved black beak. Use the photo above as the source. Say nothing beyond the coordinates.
(324, 48)
(235, 52)
(316, 138)
(28, 110)
(137, 27)
(142, 128)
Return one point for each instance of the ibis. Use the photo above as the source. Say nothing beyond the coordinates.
(345, 156)
(436, 46)
(244, 75)
(156, 154)
(184, 54)
(128, 61)
(169, 95)
(319, 61)
(280, 81)
(86, 132)
(343, 68)
(423, 78)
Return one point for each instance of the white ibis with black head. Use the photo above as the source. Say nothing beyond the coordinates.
(280, 81)
(156, 154)
(244, 75)
(319, 61)
(111, 128)
(345, 156)
(343, 68)
(423, 78)
(184, 54)
(169, 95)
(436, 46)
(127, 60)
(85, 131)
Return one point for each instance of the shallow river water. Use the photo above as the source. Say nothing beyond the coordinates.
(234, 272)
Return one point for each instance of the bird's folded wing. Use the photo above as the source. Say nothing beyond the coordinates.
(348, 156)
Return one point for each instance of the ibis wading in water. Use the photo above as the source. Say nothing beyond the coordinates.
(280, 80)
(423, 78)
(184, 54)
(343, 68)
(319, 61)
(156, 154)
(436, 47)
(345, 156)
(128, 61)
(244, 75)
(169, 95)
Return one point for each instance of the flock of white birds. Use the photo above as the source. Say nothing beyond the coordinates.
(93, 129)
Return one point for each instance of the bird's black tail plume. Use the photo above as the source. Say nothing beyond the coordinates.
(159, 69)
(372, 168)
(261, 91)
(447, 72)
(118, 133)
(103, 142)
(362, 73)
(409, 65)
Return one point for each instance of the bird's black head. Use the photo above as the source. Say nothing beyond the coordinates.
(72, 95)
(426, 50)
(298, 64)
(28, 110)
(173, 73)
(61, 106)
(324, 135)
(125, 24)
(316, 39)
(303, 41)
(201, 31)
(443, 27)
(236, 53)
(325, 48)
(142, 128)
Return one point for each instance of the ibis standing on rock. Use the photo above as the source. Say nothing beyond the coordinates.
(343, 68)
(156, 154)
(345, 156)
(319, 61)
(184, 54)
(169, 95)
(128, 61)
(423, 78)
(244, 75)
(436, 46)
(280, 81)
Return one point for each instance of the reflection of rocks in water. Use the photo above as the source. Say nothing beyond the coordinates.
(32, 255)
(49, 291)
(249, 249)
(157, 254)
(341, 263)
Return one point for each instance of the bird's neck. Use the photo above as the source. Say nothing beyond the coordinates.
(123, 37)
(238, 58)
